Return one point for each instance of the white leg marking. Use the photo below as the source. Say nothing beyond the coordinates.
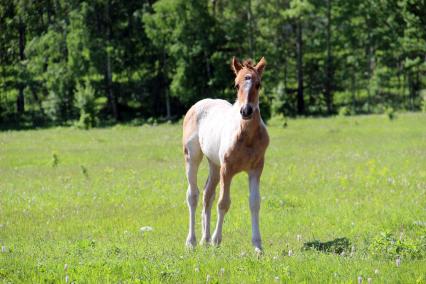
(254, 180)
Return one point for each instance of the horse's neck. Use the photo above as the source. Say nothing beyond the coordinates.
(249, 129)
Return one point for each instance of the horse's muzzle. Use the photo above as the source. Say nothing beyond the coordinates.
(246, 111)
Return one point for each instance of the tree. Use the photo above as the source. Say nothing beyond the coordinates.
(298, 12)
(179, 28)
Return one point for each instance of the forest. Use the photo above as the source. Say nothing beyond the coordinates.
(92, 62)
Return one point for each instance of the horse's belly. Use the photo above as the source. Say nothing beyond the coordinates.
(210, 144)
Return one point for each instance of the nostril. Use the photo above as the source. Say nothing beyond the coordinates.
(242, 110)
(249, 110)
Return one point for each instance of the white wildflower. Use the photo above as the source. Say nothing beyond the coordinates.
(398, 261)
(146, 229)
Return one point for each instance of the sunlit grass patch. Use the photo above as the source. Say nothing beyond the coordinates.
(110, 205)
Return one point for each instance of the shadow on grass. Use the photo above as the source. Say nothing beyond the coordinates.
(338, 246)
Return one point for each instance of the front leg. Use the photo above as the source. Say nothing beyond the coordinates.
(254, 181)
(223, 204)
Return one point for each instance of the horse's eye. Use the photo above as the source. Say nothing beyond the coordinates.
(258, 86)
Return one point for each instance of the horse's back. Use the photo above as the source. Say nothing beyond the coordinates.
(207, 106)
(201, 110)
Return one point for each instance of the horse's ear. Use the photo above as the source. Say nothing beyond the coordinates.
(260, 66)
(236, 66)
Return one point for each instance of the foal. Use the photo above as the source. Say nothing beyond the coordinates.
(234, 139)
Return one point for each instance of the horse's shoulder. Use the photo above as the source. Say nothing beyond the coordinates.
(263, 135)
(207, 107)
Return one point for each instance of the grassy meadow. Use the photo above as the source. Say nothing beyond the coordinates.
(342, 198)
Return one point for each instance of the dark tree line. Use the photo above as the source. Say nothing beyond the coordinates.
(118, 60)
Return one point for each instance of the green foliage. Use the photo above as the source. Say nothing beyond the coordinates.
(55, 160)
(84, 171)
(179, 28)
(298, 9)
(156, 58)
(85, 102)
(387, 245)
(390, 113)
(282, 102)
(53, 106)
(265, 108)
(423, 95)
(344, 111)
(78, 42)
(47, 65)
(338, 246)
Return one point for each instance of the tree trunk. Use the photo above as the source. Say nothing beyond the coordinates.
(285, 74)
(329, 62)
(370, 63)
(208, 71)
(108, 72)
(411, 89)
(166, 86)
(20, 101)
(251, 31)
(169, 113)
(299, 59)
(111, 97)
(353, 89)
(214, 2)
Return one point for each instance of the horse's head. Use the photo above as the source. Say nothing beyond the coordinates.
(247, 83)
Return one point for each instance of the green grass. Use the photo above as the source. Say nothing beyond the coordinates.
(79, 198)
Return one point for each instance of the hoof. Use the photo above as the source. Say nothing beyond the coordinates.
(205, 241)
(191, 243)
(257, 243)
(258, 251)
(216, 240)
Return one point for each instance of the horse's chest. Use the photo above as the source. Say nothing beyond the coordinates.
(244, 157)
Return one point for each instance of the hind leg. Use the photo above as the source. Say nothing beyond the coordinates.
(193, 156)
(223, 203)
(208, 198)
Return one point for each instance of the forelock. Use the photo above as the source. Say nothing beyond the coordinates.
(248, 63)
